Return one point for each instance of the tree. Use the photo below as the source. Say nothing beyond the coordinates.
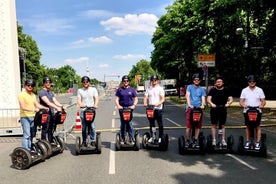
(32, 59)
(143, 69)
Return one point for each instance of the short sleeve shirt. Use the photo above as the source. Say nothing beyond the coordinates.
(154, 95)
(219, 96)
(87, 95)
(126, 96)
(252, 97)
(196, 93)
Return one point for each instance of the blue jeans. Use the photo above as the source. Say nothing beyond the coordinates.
(28, 132)
(125, 126)
(84, 126)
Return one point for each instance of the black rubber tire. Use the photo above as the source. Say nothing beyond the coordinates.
(117, 142)
(230, 143)
(240, 148)
(60, 142)
(49, 148)
(137, 141)
(21, 158)
(145, 139)
(99, 143)
(181, 142)
(78, 145)
(209, 147)
(42, 150)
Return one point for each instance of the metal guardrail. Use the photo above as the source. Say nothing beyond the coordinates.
(70, 122)
(9, 122)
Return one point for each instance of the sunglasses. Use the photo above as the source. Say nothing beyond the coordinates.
(251, 81)
(29, 85)
(85, 82)
(125, 80)
(196, 80)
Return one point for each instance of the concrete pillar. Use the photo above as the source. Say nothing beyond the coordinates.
(9, 57)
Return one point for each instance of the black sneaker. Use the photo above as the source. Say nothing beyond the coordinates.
(187, 143)
(93, 144)
(196, 144)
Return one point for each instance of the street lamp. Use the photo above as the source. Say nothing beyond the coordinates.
(22, 58)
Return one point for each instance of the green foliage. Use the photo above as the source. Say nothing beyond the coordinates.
(197, 27)
(142, 68)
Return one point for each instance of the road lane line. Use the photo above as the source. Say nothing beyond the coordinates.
(112, 158)
(113, 123)
(114, 113)
(173, 122)
(242, 162)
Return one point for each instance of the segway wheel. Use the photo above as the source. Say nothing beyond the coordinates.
(117, 142)
(230, 143)
(263, 150)
(42, 150)
(164, 143)
(209, 147)
(145, 140)
(202, 144)
(61, 143)
(21, 158)
(78, 145)
(181, 142)
(48, 146)
(240, 145)
(137, 142)
(99, 143)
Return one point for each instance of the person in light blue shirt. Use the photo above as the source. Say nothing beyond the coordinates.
(195, 96)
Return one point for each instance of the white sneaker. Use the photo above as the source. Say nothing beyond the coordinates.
(246, 145)
(214, 143)
(159, 140)
(150, 140)
(224, 143)
(257, 146)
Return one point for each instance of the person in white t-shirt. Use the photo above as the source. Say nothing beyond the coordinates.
(155, 95)
(87, 97)
(252, 96)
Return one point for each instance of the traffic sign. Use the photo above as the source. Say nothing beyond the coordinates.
(206, 59)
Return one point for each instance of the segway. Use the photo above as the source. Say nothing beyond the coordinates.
(128, 143)
(89, 116)
(219, 147)
(196, 115)
(155, 143)
(21, 157)
(253, 115)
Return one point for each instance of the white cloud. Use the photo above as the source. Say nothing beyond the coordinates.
(132, 24)
(104, 65)
(76, 60)
(128, 57)
(88, 41)
(92, 14)
(101, 39)
(49, 25)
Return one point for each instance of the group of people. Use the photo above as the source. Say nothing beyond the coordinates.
(29, 105)
(126, 96)
(220, 98)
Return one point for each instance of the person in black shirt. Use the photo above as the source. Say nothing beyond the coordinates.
(219, 99)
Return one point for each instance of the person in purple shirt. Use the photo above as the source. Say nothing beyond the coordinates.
(126, 96)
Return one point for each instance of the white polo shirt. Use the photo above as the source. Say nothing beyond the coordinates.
(252, 97)
(154, 95)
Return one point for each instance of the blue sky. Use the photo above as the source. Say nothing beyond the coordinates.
(107, 37)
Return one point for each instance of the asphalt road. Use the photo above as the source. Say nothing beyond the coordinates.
(143, 166)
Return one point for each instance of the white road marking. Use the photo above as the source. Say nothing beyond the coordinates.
(113, 123)
(242, 162)
(112, 158)
(173, 122)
